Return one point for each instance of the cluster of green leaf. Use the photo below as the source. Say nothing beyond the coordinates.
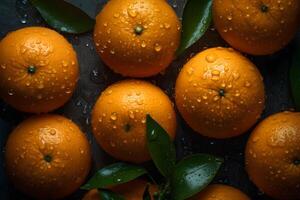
(182, 179)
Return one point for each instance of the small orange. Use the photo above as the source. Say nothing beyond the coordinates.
(137, 38)
(119, 118)
(273, 156)
(47, 157)
(132, 190)
(220, 93)
(38, 69)
(220, 192)
(257, 27)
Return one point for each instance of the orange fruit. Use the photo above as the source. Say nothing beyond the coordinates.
(273, 155)
(119, 118)
(38, 69)
(220, 192)
(132, 190)
(137, 38)
(220, 93)
(257, 27)
(47, 157)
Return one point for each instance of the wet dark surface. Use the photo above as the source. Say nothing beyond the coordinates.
(95, 76)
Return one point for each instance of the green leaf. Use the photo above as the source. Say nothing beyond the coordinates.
(193, 174)
(196, 19)
(161, 147)
(109, 195)
(114, 174)
(63, 16)
(295, 75)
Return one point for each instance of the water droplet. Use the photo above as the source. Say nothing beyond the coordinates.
(190, 71)
(112, 144)
(10, 92)
(52, 131)
(23, 21)
(167, 26)
(153, 135)
(216, 98)
(131, 114)
(211, 58)
(229, 17)
(113, 116)
(215, 72)
(64, 63)
(118, 180)
(143, 44)
(247, 84)
(157, 47)
(3, 66)
(131, 12)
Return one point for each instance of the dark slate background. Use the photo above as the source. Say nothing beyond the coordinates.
(95, 77)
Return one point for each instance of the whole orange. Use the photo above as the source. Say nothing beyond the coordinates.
(119, 118)
(273, 156)
(137, 38)
(220, 93)
(132, 190)
(47, 157)
(38, 69)
(220, 192)
(257, 27)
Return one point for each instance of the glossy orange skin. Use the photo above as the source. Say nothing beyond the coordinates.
(47, 135)
(246, 27)
(132, 190)
(198, 99)
(119, 118)
(56, 66)
(271, 153)
(220, 192)
(131, 54)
